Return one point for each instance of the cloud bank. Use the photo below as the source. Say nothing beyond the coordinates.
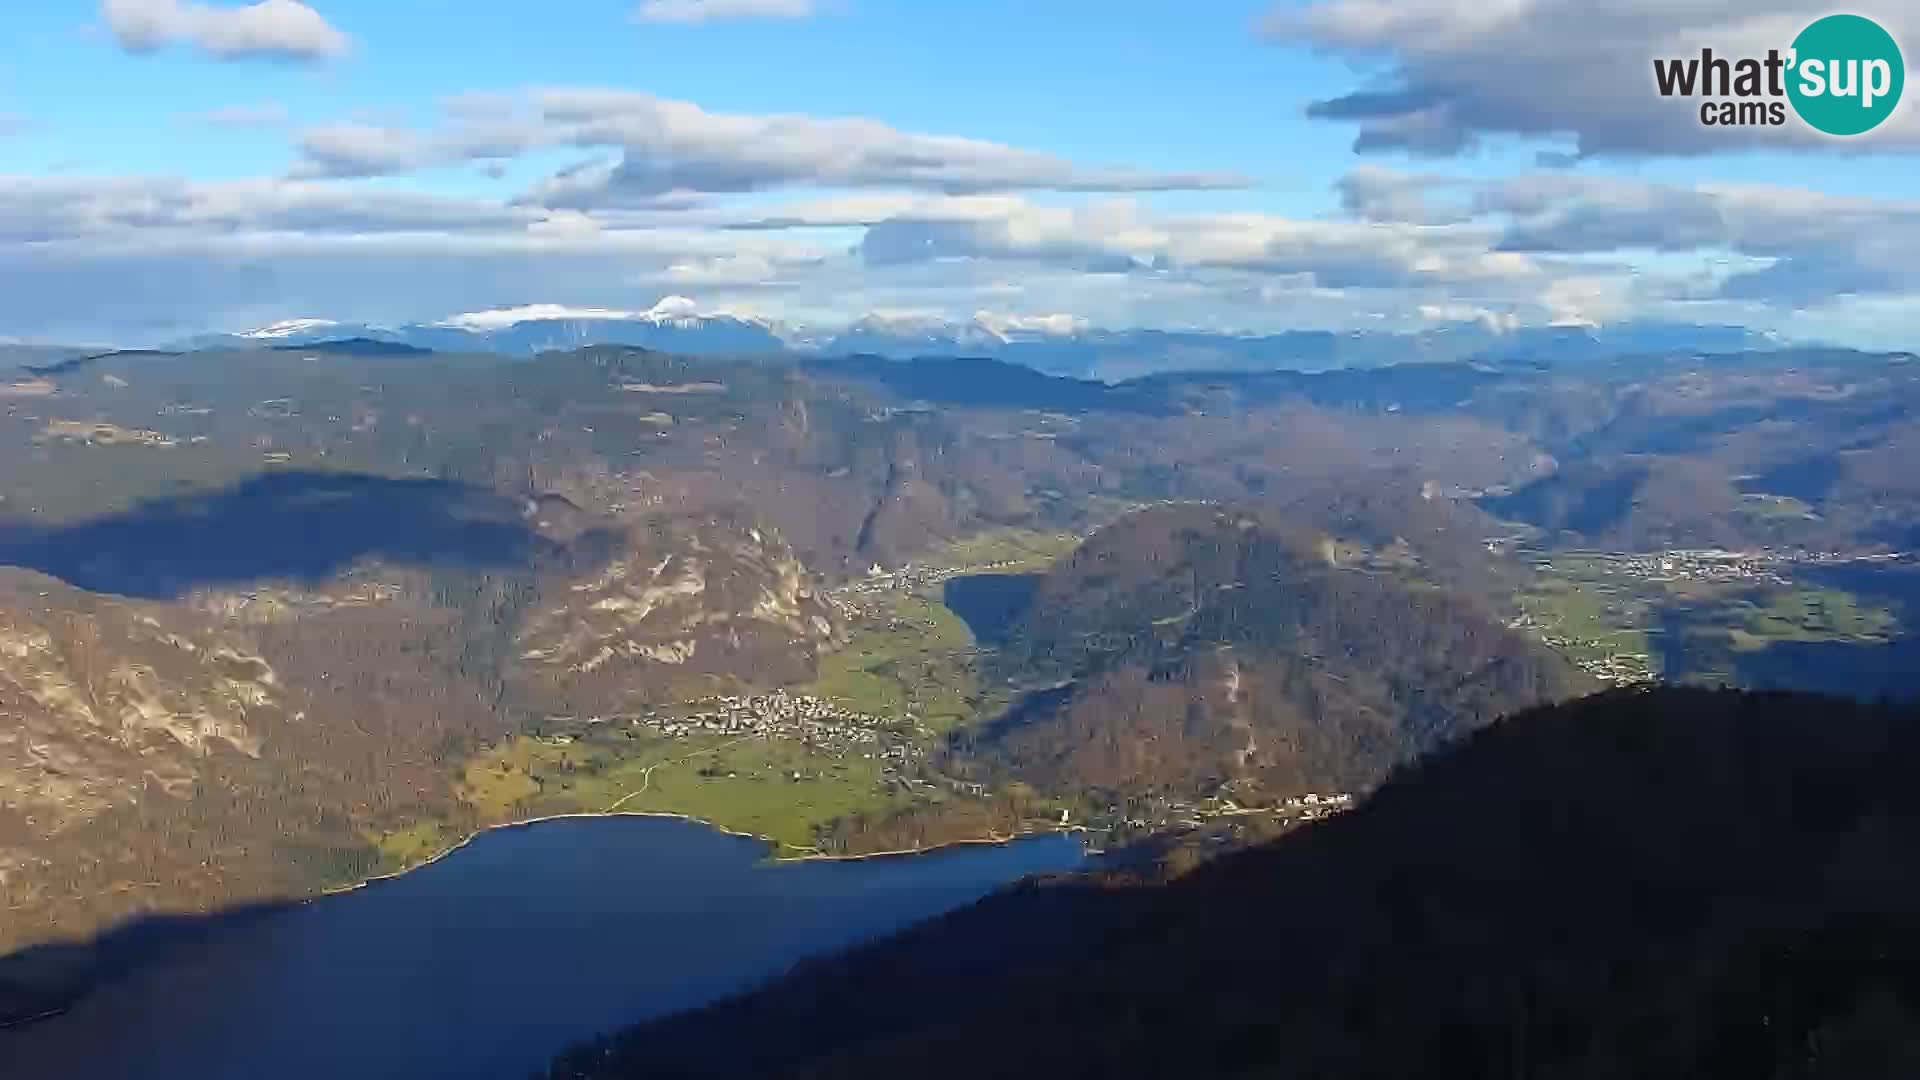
(652, 146)
(1442, 76)
(703, 11)
(270, 29)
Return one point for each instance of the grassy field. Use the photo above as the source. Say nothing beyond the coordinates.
(1809, 615)
(780, 789)
(910, 660)
(1595, 617)
(410, 846)
(774, 788)
(913, 658)
(1776, 506)
(1597, 610)
(1025, 550)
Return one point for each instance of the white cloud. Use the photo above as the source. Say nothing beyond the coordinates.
(1055, 325)
(749, 268)
(1795, 245)
(1416, 247)
(1118, 236)
(501, 318)
(668, 308)
(1499, 322)
(654, 147)
(703, 11)
(366, 252)
(179, 256)
(1443, 74)
(274, 29)
(352, 149)
(140, 210)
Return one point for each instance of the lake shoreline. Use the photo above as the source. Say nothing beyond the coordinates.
(771, 844)
(62, 993)
(642, 919)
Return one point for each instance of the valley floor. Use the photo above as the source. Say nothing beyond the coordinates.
(786, 764)
(1762, 619)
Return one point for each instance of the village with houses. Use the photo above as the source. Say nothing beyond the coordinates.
(1761, 566)
(781, 714)
(1598, 608)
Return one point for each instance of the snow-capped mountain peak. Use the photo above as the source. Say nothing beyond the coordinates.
(674, 323)
(671, 310)
(673, 307)
(1008, 327)
(288, 328)
(985, 328)
(1059, 343)
(480, 322)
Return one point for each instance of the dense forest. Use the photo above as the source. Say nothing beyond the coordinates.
(1649, 883)
(262, 608)
(1195, 649)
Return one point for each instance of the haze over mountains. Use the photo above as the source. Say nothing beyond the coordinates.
(1057, 344)
(672, 325)
(1430, 518)
(274, 620)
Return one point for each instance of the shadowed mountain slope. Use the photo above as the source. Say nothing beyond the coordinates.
(1650, 883)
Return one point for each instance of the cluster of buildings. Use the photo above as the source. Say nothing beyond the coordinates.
(100, 433)
(913, 577)
(1613, 667)
(1607, 666)
(1153, 813)
(1311, 806)
(1706, 564)
(804, 717)
(1763, 566)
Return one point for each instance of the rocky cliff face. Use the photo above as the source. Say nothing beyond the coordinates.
(683, 607)
(244, 741)
(107, 696)
(109, 706)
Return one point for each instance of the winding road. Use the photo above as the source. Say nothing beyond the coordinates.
(646, 775)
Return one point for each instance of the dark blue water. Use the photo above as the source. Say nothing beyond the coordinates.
(485, 964)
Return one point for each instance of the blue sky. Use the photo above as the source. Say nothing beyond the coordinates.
(172, 166)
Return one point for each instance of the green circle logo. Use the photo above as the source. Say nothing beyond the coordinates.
(1846, 75)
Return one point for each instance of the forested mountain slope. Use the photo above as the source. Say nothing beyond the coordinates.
(1205, 649)
(1651, 883)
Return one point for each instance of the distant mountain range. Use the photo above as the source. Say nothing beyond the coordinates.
(669, 326)
(1061, 345)
(1122, 354)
